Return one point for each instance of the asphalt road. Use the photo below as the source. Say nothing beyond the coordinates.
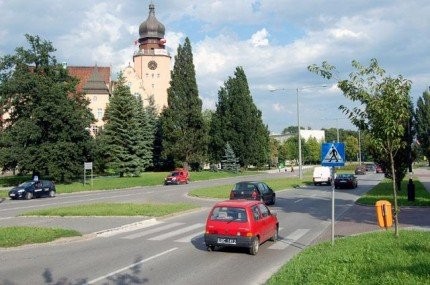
(164, 251)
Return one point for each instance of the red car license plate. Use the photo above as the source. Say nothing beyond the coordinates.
(226, 241)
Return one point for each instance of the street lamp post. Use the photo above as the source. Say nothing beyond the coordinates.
(298, 135)
(298, 121)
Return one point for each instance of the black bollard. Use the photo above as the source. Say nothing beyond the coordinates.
(411, 190)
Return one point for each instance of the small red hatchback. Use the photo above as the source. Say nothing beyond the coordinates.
(178, 176)
(240, 223)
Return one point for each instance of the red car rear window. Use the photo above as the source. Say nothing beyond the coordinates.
(229, 214)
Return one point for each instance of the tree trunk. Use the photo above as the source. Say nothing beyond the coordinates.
(395, 212)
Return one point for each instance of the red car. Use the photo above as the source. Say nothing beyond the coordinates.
(178, 176)
(379, 169)
(240, 223)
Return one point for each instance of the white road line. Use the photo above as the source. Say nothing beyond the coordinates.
(189, 238)
(152, 231)
(298, 200)
(130, 266)
(288, 240)
(177, 232)
(128, 228)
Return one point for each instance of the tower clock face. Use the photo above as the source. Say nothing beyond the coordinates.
(152, 65)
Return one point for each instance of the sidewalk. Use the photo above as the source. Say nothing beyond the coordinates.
(361, 219)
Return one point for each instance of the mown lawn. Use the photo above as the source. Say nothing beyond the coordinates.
(114, 182)
(223, 191)
(114, 209)
(16, 236)
(384, 191)
(372, 258)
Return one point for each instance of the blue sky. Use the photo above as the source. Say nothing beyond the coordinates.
(273, 40)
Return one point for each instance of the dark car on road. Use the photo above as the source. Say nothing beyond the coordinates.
(345, 180)
(33, 189)
(240, 223)
(253, 190)
(370, 167)
(360, 170)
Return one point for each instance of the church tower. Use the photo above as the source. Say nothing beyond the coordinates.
(150, 73)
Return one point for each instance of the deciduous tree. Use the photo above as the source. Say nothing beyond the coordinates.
(384, 112)
(45, 127)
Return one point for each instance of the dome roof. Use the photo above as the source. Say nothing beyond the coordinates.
(151, 28)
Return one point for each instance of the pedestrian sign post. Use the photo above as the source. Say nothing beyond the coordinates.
(333, 154)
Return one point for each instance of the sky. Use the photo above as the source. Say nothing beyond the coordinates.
(272, 40)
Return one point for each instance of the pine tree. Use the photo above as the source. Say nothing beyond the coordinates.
(123, 133)
(230, 160)
(147, 121)
(184, 135)
(46, 129)
(422, 118)
(238, 121)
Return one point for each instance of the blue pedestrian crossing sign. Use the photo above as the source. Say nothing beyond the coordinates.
(333, 154)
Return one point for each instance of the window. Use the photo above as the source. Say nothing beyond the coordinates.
(95, 129)
(255, 213)
(229, 213)
(100, 113)
(262, 188)
(264, 210)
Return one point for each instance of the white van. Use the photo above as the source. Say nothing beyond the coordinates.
(322, 174)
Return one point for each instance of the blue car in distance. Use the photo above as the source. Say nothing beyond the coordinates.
(33, 189)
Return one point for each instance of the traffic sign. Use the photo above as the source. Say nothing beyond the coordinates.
(333, 154)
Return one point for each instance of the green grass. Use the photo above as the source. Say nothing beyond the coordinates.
(374, 258)
(114, 182)
(223, 191)
(16, 236)
(114, 209)
(384, 191)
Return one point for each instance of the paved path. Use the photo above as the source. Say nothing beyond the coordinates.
(361, 219)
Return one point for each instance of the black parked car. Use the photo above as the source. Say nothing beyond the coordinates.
(253, 190)
(33, 189)
(345, 181)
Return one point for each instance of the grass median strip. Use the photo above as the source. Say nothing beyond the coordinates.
(114, 209)
(374, 258)
(16, 236)
(384, 191)
(223, 191)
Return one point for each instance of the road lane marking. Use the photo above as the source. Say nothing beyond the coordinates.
(288, 240)
(130, 266)
(298, 200)
(177, 232)
(189, 238)
(152, 231)
(128, 228)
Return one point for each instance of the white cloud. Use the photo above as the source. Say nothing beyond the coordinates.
(259, 39)
(271, 41)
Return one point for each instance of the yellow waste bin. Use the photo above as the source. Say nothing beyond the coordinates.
(384, 213)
